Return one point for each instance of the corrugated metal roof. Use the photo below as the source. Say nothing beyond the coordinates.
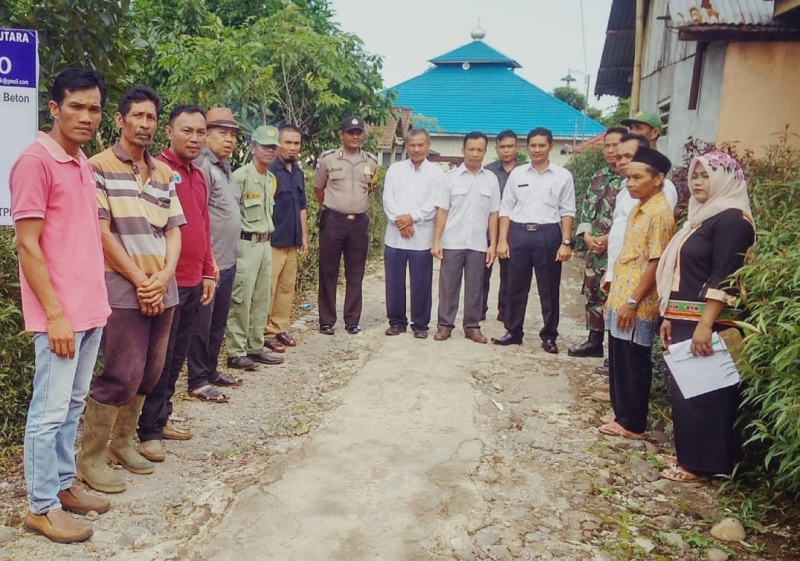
(722, 12)
(465, 100)
(476, 52)
(616, 64)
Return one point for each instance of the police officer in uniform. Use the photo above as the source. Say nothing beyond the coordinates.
(252, 285)
(342, 181)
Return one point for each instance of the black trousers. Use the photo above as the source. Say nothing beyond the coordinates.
(420, 271)
(630, 374)
(501, 292)
(158, 405)
(533, 251)
(339, 237)
(209, 333)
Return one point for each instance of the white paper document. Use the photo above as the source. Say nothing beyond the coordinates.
(697, 375)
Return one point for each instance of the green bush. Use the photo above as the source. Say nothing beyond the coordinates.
(16, 348)
(771, 294)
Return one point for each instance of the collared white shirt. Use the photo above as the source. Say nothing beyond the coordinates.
(622, 210)
(468, 199)
(410, 190)
(531, 197)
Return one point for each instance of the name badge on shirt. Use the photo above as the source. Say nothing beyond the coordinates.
(521, 185)
(367, 171)
(249, 196)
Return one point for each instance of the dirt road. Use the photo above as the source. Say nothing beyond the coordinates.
(370, 447)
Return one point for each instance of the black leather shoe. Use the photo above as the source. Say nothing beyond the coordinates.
(266, 358)
(507, 339)
(353, 328)
(549, 346)
(602, 370)
(326, 329)
(499, 316)
(592, 347)
(395, 330)
(241, 363)
(421, 334)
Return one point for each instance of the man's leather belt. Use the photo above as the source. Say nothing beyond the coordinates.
(351, 216)
(530, 227)
(252, 236)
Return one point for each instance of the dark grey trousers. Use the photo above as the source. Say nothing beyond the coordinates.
(455, 264)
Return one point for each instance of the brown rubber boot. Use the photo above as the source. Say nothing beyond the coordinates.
(57, 526)
(92, 465)
(122, 451)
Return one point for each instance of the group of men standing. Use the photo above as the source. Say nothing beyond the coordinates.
(467, 218)
(155, 259)
(159, 259)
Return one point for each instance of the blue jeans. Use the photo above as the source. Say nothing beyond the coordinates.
(60, 387)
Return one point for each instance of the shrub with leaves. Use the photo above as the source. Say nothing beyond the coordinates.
(16, 348)
(771, 294)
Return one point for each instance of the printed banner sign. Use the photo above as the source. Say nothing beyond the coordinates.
(19, 104)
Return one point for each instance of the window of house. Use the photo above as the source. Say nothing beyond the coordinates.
(663, 112)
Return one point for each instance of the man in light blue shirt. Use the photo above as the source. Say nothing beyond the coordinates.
(467, 202)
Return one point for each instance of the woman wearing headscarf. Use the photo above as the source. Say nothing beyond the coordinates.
(696, 298)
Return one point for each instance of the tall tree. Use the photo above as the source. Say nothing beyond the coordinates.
(571, 96)
(277, 68)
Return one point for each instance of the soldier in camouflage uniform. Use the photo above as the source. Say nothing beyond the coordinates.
(594, 223)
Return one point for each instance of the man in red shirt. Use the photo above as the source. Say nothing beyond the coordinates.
(195, 275)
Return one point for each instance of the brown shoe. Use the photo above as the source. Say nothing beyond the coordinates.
(173, 432)
(57, 526)
(274, 345)
(286, 339)
(442, 334)
(153, 450)
(80, 502)
(475, 335)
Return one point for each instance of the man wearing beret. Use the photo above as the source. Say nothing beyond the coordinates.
(342, 182)
(252, 284)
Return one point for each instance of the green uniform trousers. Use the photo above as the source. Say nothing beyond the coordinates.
(252, 288)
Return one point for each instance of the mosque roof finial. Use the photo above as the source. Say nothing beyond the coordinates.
(478, 32)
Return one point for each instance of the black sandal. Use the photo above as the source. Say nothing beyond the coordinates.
(209, 394)
(223, 379)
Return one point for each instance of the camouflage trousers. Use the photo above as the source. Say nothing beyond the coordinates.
(596, 266)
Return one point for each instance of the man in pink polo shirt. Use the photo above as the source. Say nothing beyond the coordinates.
(64, 301)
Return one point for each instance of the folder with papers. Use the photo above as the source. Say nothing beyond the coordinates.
(698, 375)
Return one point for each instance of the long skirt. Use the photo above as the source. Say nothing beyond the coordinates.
(706, 440)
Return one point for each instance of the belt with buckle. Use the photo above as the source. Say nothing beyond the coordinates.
(351, 216)
(254, 237)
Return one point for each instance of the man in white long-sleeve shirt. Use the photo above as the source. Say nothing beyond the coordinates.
(409, 203)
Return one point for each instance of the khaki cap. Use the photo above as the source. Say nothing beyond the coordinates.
(221, 117)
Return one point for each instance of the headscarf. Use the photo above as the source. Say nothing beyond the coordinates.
(728, 189)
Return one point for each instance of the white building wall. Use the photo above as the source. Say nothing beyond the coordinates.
(667, 68)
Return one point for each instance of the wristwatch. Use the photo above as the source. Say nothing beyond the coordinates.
(632, 303)
(567, 242)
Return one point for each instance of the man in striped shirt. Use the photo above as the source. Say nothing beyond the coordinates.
(140, 215)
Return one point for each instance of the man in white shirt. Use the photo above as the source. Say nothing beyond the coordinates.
(408, 201)
(467, 202)
(627, 147)
(536, 219)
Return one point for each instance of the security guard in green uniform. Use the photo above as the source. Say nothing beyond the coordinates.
(342, 183)
(252, 285)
